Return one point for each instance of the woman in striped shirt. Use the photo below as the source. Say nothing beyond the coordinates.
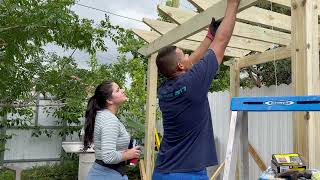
(109, 135)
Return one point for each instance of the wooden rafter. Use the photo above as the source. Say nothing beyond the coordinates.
(257, 15)
(194, 25)
(150, 36)
(265, 17)
(268, 56)
(236, 42)
(204, 4)
(253, 15)
(247, 31)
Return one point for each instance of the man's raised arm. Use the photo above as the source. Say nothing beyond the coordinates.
(225, 30)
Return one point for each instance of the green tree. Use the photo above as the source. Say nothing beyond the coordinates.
(26, 70)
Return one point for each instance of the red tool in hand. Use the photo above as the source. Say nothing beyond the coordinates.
(133, 143)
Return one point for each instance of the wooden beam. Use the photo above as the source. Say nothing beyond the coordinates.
(235, 41)
(262, 166)
(234, 92)
(152, 75)
(142, 170)
(204, 4)
(258, 16)
(268, 56)
(241, 29)
(305, 77)
(194, 25)
(178, 15)
(234, 79)
(217, 172)
(150, 36)
(265, 17)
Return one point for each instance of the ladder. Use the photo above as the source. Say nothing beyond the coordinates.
(238, 132)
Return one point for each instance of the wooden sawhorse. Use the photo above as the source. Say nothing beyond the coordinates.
(238, 133)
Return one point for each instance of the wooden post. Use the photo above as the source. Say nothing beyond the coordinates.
(235, 92)
(142, 170)
(234, 79)
(254, 154)
(305, 77)
(152, 76)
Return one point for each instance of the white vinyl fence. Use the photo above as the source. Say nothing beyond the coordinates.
(24, 151)
(268, 132)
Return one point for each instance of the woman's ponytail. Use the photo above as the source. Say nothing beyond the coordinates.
(90, 116)
(95, 103)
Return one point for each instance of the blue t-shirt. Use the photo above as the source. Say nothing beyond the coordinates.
(188, 142)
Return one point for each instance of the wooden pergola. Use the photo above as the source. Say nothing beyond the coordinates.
(256, 30)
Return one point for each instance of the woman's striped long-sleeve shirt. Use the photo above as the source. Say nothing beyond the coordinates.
(110, 137)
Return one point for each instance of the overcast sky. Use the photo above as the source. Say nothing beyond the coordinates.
(136, 9)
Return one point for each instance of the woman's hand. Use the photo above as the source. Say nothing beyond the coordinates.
(131, 153)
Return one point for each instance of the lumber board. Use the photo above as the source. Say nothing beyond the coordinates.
(150, 36)
(192, 26)
(268, 56)
(305, 77)
(152, 76)
(241, 29)
(235, 41)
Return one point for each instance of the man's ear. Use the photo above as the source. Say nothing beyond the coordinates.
(180, 67)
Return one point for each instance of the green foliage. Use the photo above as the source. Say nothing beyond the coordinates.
(26, 70)
(133, 172)
(221, 80)
(7, 174)
(68, 170)
(270, 73)
(133, 112)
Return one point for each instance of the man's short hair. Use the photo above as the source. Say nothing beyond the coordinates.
(167, 61)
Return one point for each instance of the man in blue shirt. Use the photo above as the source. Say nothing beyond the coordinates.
(187, 146)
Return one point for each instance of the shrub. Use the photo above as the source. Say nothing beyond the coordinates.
(68, 170)
(7, 174)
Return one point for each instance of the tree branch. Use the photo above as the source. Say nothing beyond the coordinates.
(252, 77)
